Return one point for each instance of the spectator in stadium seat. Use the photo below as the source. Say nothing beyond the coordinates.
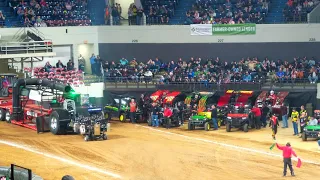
(280, 75)
(247, 77)
(313, 76)
(123, 61)
(2, 19)
(130, 15)
(107, 15)
(47, 67)
(70, 65)
(60, 65)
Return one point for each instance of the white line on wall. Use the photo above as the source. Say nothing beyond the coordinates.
(87, 167)
(239, 148)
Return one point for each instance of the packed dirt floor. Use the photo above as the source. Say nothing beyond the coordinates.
(139, 152)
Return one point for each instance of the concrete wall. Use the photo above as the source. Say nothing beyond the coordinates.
(314, 15)
(130, 41)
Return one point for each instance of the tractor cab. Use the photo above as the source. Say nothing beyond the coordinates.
(6, 82)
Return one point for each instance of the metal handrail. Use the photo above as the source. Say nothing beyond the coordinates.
(27, 46)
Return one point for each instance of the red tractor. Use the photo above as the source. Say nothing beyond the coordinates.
(43, 105)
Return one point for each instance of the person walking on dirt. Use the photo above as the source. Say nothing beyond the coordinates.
(257, 113)
(180, 114)
(303, 119)
(133, 109)
(294, 119)
(214, 116)
(167, 113)
(287, 152)
(155, 115)
(274, 123)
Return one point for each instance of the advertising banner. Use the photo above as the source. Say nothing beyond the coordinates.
(222, 29)
(233, 29)
(201, 29)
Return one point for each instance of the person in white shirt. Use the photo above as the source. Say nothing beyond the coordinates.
(313, 122)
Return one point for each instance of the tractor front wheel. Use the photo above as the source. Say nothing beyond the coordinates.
(245, 128)
(191, 126)
(228, 127)
(207, 126)
(2, 115)
(304, 136)
(8, 117)
(122, 117)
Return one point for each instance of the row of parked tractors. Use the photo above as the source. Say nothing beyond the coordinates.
(234, 107)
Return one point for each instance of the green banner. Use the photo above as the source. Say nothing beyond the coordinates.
(233, 29)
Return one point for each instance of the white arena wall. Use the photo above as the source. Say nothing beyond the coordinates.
(85, 40)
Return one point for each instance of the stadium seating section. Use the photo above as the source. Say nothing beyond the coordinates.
(227, 11)
(52, 12)
(74, 78)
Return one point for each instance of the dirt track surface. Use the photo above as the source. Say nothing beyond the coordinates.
(138, 152)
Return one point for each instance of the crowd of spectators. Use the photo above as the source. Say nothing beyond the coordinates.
(159, 12)
(227, 12)
(41, 13)
(250, 70)
(296, 11)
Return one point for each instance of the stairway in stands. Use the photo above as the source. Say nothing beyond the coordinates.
(275, 15)
(11, 20)
(96, 10)
(180, 12)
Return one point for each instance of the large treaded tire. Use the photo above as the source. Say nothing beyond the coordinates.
(304, 136)
(58, 121)
(2, 115)
(191, 126)
(228, 127)
(207, 126)
(245, 127)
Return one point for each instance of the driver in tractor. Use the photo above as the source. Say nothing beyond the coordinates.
(241, 108)
(271, 98)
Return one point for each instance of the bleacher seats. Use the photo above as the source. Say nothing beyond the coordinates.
(53, 12)
(74, 78)
(157, 12)
(297, 11)
(227, 11)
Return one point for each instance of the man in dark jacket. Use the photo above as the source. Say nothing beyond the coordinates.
(155, 115)
(265, 110)
(214, 116)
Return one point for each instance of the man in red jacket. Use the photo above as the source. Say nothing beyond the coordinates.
(257, 113)
(287, 152)
(167, 113)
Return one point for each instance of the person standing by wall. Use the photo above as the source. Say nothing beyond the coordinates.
(214, 116)
(93, 64)
(133, 109)
(287, 152)
(81, 63)
(155, 115)
(294, 119)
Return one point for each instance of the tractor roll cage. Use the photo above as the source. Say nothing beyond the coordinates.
(17, 113)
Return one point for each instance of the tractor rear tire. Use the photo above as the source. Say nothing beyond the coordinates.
(245, 127)
(122, 117)
(304, 136)
(2, 115)
(104, 137)
(207, 126)
(58, 121)
(8, 116)
(228, 127)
